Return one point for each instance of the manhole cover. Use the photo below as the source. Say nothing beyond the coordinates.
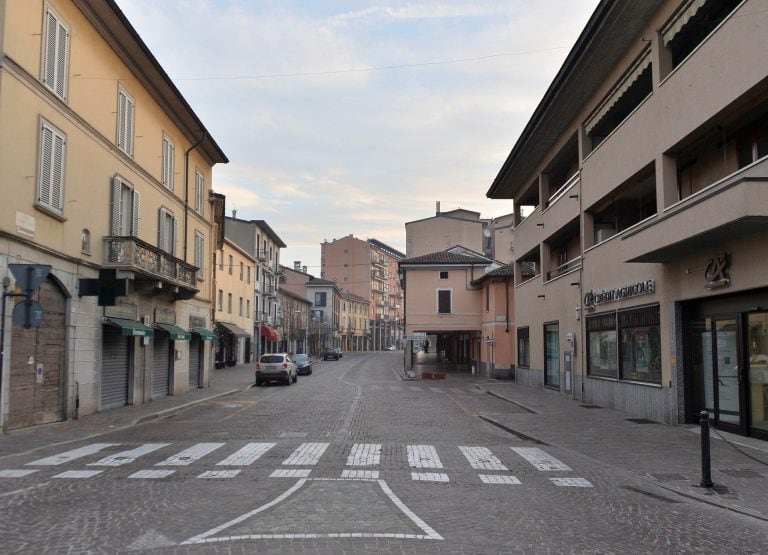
(741, 473)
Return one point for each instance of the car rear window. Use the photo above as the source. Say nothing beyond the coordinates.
(300, 358)
(272, 358)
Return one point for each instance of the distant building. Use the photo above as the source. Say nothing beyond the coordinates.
(234, 314)
(354, 323)
(296, 320)
(324, 330)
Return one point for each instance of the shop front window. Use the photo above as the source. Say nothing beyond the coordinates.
(523, 348)
(552, 355)
(640, 346)
(758, 369)
(603, 348)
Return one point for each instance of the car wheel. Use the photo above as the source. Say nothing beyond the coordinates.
(295, 378)
(288, 380)
(310, 370)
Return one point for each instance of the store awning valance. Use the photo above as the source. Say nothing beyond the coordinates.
(270, 333)
(232, 329)
(130, 327)
(176, 333)
(684, 16)
(207, 335)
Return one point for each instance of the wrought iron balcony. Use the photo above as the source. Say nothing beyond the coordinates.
(133, 254)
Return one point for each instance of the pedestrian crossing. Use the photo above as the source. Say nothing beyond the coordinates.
(362, 461)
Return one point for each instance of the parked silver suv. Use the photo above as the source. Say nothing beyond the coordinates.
(275, 367)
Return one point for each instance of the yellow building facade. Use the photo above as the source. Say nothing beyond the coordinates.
(103, 167)
(235, 283)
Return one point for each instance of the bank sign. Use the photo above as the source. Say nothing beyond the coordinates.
(594, 298)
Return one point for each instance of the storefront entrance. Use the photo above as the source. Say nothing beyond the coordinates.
(728, 367)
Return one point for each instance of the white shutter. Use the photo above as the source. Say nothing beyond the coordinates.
(57, 177)
(121, 108)
(135, 214)
(116, 205)
(49, 64)
(61, 60)
(46, 162)
(129, 109)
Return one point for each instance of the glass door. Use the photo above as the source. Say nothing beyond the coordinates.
(758, 372)
(728, 378)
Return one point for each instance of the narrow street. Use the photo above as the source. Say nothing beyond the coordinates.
(349, 459)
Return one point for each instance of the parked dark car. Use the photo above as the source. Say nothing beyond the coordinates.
(303, 364)
(331, 354)
(338, 351)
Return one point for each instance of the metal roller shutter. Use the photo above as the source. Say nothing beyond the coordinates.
(195, 360)
(161, 365)
(115, 368)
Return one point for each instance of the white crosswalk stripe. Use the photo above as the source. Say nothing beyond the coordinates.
(429, 477)
(72, 455)
(540, 459)
(152, 474)
(498, 479)
(423, 456)
(188, 456)
(360, 474)
(364, 454)
(79, 474)
(481, 458)
(291, 473)
(247, 455)
(572, 482)
(219, 474)
(16, 473)
(307, 454)
(126, 457)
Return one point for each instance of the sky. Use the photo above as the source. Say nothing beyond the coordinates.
(353, 117)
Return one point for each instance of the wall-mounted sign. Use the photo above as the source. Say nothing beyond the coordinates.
(716, 272)
(594, 298)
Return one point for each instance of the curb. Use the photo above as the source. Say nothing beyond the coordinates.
(174, 410)
(511, 431)
(517, 404)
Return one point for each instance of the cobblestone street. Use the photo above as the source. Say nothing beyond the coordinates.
(350, 459)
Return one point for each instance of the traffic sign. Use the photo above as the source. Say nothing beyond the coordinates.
(28, 314)
(29, 276)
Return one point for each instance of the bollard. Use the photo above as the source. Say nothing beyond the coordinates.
(706, 472)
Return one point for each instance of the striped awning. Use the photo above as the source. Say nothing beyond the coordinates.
(671, 29)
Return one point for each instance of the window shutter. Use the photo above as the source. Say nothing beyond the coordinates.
(61, 60)
(174, 231)
(46, 162)
(49, 64)
(161, 231)
(116, 190)
(129, 108)
(135, 221)
(57, 179)
(121, 108)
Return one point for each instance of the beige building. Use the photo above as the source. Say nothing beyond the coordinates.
(235, 277)
(325, 316)
(640, 185)
(368, 269)
(295, 320)
(354, 323)
(103, 166)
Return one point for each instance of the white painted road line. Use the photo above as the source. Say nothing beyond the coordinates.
(481, 458)
(291, 473)
(16, 473)
(457, 390)
(71, 455)
(218, 474)
(436, 390)
(188, 456)
(247, 455)
(429, 477)
(499, 479)
(572, 482)
(365, 454)
(423, 456)
(307, 454)
(360, 474)
(152, 474)
(78, 474)
(414, 388)
(539, 459)
(125, 457)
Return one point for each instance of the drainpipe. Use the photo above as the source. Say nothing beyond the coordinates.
(186, 188)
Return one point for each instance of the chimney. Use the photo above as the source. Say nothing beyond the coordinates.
(297, 265)
(234, 212)
(437, 208)
(304, 269)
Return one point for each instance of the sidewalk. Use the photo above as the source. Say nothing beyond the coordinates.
(223, 382)
(667, 456)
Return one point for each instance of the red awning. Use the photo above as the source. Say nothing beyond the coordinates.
(270, 333)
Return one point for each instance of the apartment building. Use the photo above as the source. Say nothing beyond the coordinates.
(353, 323)
(325, 315)
(259, 239)
(296, 319)
(106, 175)
(642, 216)
(235, 273)
(368, 269)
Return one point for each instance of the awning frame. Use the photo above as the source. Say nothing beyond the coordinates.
(206, 334)
(130, 328)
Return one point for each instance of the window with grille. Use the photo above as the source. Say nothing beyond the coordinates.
(125, 208)
(169, 167)
(125, 121)
(166, 231)
(199, 254)
(50, 181)
(199, 192)
(55, 54)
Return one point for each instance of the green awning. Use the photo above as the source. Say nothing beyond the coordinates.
(131, 327)
(207, 335)
(177, 334)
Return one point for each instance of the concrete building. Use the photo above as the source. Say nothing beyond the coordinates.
(257, 238)
(103, 166)
(296, 318)
(234, 295)
(325, 297)
(368, 269)
(640, 185)
(354, 323)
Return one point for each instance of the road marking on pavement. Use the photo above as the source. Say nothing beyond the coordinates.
(423, 456)
(365, 454)
(360, 474)
(78, 474)
(291, 473)
(16, 473)
(152, 474)
(498, 479)
(429, 477)
(414, 388)
(307, 454)
(436, 390)
(68, 456)
(539, 459)
(247, 455)
(125, 457)
(188, 456)
(431, 534)
(481, 458)
(572, 482)
(218, 474)
(457, 390)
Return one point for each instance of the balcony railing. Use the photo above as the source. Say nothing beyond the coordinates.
(131, 253)
(564, 268)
